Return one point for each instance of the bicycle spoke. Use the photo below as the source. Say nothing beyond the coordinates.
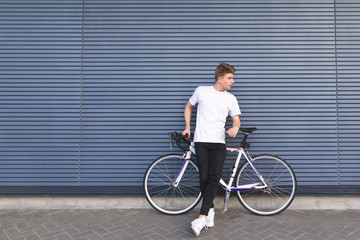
(273, 170)
(279, 190)
(285, 171)
(164, 174)
(161, 192)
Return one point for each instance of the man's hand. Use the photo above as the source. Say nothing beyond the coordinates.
(186, 131)
(232, 132)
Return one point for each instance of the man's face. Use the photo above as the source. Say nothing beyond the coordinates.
(227, 81)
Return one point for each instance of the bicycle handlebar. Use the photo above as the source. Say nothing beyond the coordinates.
(183, 143)
(180, 140)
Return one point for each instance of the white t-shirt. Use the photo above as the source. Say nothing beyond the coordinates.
(213, 109)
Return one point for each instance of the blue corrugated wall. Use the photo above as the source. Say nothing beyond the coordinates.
(90, 89)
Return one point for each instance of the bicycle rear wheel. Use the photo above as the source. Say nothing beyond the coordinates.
(281, 182)
(160, 191)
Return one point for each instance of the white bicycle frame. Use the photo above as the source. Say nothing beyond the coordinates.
(226, 186)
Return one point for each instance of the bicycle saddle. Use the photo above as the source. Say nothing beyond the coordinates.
(248, 130)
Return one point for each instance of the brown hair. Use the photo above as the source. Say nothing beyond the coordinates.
(223, 69)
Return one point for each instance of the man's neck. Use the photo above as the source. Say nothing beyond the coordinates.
(218, 87)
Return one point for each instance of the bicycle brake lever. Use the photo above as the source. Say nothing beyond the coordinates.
(171, 143)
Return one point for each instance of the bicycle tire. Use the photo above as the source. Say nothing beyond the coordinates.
(281, 181)
(159, 189)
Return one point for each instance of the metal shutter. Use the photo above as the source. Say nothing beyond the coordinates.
(133, 88)
(90, 89)
(348, 75)
(40, 68)
(143, 59)
(285, 54)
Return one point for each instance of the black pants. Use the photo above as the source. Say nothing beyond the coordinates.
(210, 157)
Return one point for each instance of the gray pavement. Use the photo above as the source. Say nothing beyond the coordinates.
(149, 224)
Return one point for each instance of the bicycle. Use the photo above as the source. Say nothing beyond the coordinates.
(265, 184)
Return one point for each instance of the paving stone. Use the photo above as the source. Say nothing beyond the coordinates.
(295, 234)
(327, 234)
(32, 237)
(148, 224)
(307, 236)
(266, 234)
(63, 236)
(81, 234)
(20, 238)
(95, 236)
(355, 234)
(3, 235)
(11, 231)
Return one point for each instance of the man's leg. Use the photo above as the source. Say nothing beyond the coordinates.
(202, 156)
(217, 156)
(210, 161)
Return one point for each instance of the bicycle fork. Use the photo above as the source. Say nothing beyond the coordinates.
(187, 156)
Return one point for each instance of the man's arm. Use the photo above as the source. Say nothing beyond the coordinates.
(232, 132)
(187, 116)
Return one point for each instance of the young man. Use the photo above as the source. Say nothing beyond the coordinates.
(215, 104)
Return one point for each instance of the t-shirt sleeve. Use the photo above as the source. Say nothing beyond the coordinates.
(234, 108)
(195, 97)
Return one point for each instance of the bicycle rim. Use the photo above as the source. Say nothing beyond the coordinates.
(159, 189)
(281, 182)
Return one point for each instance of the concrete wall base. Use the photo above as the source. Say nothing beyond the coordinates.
(299, 203)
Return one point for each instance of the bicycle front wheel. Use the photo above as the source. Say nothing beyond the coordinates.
(279, 178)
(160, 190)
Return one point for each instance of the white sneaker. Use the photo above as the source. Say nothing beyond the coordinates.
(210, 218)
(197, 225)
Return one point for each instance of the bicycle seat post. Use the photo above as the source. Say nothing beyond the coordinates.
(243, 143)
